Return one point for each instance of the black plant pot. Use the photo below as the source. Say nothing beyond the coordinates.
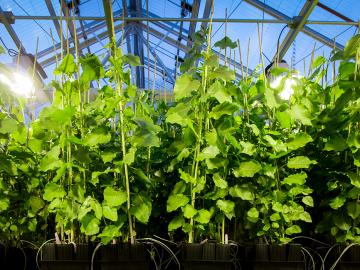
(350, 260)
(123, 256)
(274, 257)
(66, 256)
(209, 256)
(12, 258)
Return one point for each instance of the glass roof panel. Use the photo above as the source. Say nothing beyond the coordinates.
(164, 35)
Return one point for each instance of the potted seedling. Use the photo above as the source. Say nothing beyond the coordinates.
(338, 172)
(203, 100)
(21, 207)
(275, 130)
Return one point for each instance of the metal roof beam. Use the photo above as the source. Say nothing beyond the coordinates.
(136, 11)
(334, 12)
(158, 59)
(69, 23)
(298, 25)
(167, 39)
(12, 32)
(109, 22)
(52, 12)
(207, 10)
(157, 18)
(92, 28)
(194, 14)
(306, 30)
(89, 42)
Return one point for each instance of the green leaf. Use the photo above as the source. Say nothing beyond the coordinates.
(300, 162)
(92, 68)
(284, 118)
(141, 208)
(219, 181)
(8, 125)
(227, 207)
(2, 50)
(305, 216)
(7, 165)
(203, 216)
(275, 217)
(270, 98)
(82, 155)
(187, 177)
(113, 197)
(308, 200)
(226, 42)
(224, 108)
(108, 156)
(175, 223)
(320, 60)
(209, 152)
(189, 211)
(243, 192)
(353, 209)
(4, 204)
(253, 215)
(254, 129)
(110, 213)
(224, 73)
(354, 179)
(295, 179)
(337, 202)
(98, 136)
(90, 225)
(247, 169)
(109, 233)
(184, 86)
(219, 91)
(293, 230)
(96, 207)
(352, 46)
(36, 203)
(278, 207)
(53, 191)
(178, 114)
(129, 157)
(176, 201)
(247, 148)
(299, 112)
(179, 187)
(32, 223)
(67, 66)
(298, 140)
(342, 222)
(335, 143)
(131, 59)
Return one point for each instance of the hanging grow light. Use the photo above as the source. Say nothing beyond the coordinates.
(19, 83)
(287, 81)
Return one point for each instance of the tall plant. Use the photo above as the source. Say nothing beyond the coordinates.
(203, 98)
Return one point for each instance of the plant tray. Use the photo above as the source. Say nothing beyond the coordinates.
(209, 256)
(276, 257)
(12, 258)
(66, 256)
(123, 256)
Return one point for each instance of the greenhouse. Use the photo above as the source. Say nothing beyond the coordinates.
(180, 135)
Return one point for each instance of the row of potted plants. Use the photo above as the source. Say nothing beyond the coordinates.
(227, 159)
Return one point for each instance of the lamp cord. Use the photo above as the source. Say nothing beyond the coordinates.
(11, 52)
(278, 43)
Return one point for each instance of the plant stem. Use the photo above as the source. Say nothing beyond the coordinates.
(223, 230)
(123, 148)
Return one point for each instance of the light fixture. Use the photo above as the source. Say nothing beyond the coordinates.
(287, 81)
(19, 83)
